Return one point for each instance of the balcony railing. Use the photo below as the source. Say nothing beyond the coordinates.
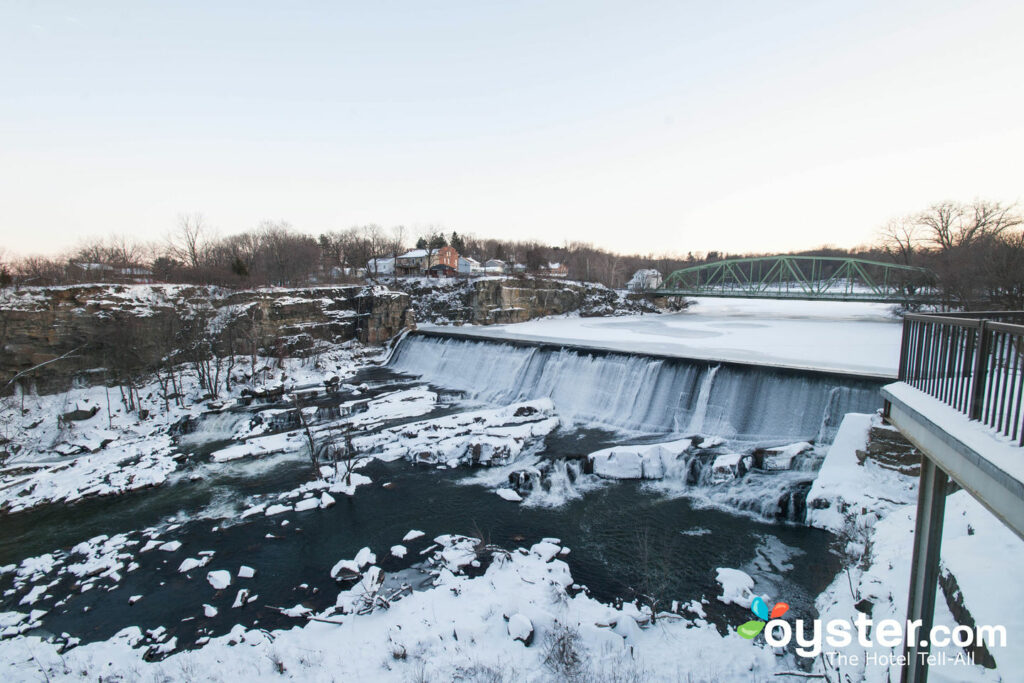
(970, 361)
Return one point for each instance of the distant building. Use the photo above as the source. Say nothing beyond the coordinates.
(645, 279)
(381, 266)
(443, 262)
(494, 266)
(411, 262)
(469, 266)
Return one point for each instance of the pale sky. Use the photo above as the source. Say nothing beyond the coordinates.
(639, 126)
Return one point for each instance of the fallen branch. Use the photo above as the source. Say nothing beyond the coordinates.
(14, 379)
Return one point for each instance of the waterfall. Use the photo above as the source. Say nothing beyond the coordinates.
(643, 393)
(697, 421)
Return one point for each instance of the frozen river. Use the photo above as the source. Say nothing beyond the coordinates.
(852, 337)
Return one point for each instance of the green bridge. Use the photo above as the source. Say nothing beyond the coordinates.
(803, 277)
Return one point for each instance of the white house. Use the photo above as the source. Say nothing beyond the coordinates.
(469, 266)
(494, 266)
(647, 278)
(381, 266)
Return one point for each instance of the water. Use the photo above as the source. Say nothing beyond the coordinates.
(665, 537)
(645, 394)
(607, 529)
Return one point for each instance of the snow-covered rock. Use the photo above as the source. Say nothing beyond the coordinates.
(520, 628)
(644, 461)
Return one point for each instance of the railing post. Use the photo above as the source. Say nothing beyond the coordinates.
(904, 344)
(979, 381)
(924, 568)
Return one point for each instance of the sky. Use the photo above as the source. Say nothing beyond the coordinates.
(643, 127)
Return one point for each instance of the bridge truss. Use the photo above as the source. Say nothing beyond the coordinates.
(803, 277)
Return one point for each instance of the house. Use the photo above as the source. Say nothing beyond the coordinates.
(645, 279)
(494, 266)
(444, 262)
(411, 262)
(441, 262)
(381, 266)
(469, 266)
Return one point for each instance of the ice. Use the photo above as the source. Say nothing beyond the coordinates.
(829, 335)
(219, 579)
(192, 563)
(510, 495)
(171, 546)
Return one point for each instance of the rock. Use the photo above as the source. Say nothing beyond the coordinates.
(520, 628)
(44, 323)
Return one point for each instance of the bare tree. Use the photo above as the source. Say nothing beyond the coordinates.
(901, 239)
(186, 243)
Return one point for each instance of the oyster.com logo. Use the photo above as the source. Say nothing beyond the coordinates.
(759, 607)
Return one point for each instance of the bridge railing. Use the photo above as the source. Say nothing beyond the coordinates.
(973, 362)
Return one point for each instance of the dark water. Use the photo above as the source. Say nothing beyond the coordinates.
(610, 531)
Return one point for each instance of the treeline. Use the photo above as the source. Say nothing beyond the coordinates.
(275, 254)
(975, 250)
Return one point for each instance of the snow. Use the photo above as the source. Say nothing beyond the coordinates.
(848, 494)
(509, 495)
(520, 627)
(737, 587)
(489, 436)
(209, 611)
(399, 551)
(1001, 451)
(219, 579)
(245, 572)
(170, 547)
(856, 337)
(645, 461)
(464, 628)
(412, 535)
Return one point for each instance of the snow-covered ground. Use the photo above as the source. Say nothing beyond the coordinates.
(523, 619)
(839, 336)
(873, 509)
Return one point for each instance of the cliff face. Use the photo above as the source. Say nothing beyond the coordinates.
(134, 327)
(491, 301)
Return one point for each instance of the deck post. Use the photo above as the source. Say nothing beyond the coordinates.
(924, 568)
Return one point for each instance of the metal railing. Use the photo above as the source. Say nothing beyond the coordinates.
(970, 361)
